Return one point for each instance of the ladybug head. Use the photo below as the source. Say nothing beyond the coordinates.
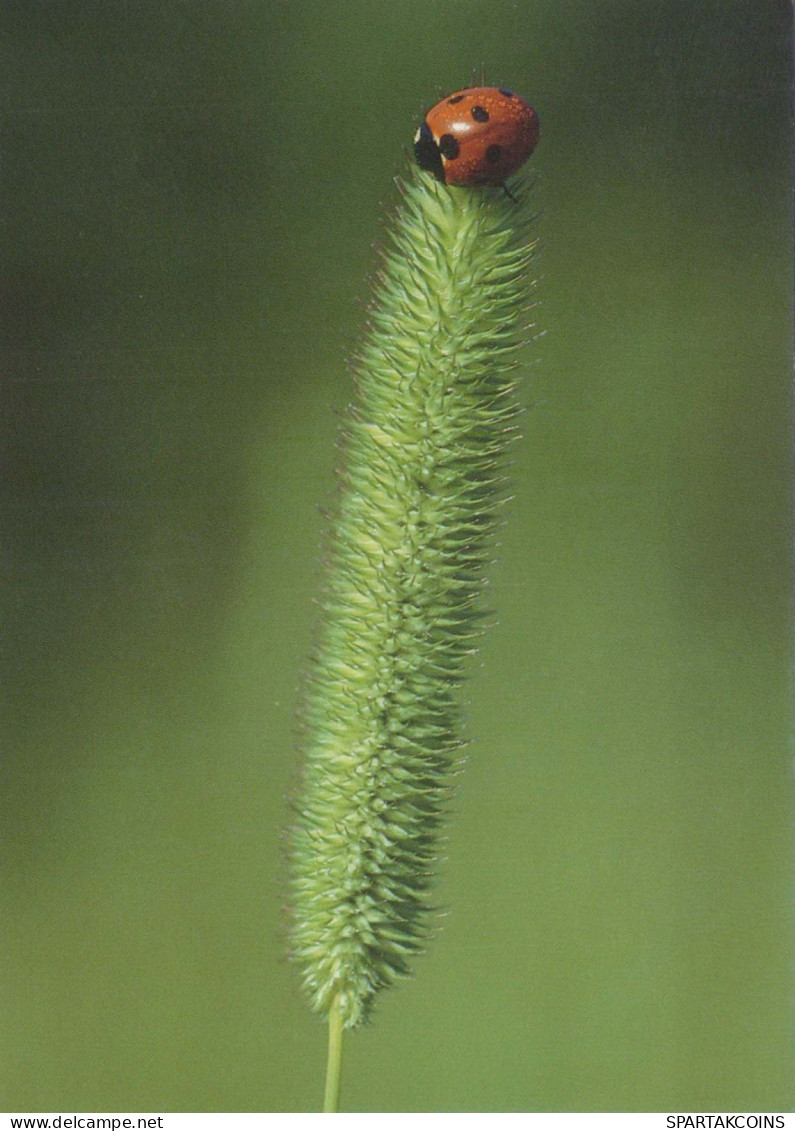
(427, 152)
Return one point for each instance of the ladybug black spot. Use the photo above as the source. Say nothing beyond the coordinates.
(493, 154)
(456, 98)
(507, 93)
(448, 147)
(480, 113)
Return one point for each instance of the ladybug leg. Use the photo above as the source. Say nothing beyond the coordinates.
(508, 193)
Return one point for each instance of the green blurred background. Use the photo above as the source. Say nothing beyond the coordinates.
(191, 194)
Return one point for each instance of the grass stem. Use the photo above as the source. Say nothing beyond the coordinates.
(331, 1099)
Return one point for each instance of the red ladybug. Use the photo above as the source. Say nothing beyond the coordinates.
(478, 136)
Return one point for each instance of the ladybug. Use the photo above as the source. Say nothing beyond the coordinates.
(477, 136)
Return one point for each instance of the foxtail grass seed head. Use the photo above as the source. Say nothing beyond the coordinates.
(416, 509)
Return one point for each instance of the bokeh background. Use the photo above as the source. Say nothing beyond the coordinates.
(190, 198)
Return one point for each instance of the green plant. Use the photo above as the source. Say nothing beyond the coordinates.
(417, 504)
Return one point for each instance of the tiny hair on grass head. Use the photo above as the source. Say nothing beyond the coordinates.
(423, 454)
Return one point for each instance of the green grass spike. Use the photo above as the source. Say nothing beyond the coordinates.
(422, 478)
